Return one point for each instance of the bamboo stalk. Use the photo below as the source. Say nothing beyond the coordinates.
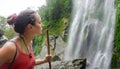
(48, 46)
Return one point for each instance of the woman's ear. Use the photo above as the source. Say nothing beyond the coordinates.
(29, 26)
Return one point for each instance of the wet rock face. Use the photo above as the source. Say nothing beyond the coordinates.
(73, 64)
(3, 38)
(57, 47)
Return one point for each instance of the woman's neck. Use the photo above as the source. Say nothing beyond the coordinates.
(27, 39)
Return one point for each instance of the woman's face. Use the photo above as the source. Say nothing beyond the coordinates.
(38, 25)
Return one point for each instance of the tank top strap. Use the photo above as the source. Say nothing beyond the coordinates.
(17, 47)
(15, 44)
(14, 55)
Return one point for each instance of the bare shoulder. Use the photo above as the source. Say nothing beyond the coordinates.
(7, 52)
(10, 46)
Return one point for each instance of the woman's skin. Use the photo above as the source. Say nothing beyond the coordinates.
(7, 52)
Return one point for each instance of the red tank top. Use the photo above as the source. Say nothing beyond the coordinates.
(22, 61)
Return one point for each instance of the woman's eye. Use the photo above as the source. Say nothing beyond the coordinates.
(39, 22)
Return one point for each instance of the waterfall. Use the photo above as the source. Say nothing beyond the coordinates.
(91, 33)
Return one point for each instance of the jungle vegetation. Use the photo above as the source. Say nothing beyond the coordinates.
(55, 17)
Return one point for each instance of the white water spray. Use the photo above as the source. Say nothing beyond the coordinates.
(92, 33)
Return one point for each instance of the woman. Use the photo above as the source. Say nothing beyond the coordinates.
(17, 53)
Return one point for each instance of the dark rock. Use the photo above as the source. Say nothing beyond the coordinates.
(72, 64)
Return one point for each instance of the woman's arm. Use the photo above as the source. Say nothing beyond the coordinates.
(7, 53)
(41, 61)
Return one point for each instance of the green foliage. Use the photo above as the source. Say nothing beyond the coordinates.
(117, 2)
(2, 22)
(116, 55)
(114, 61)
(8, 32)
(37, 43)
(52, 17)
(53, 13)
(117, 31)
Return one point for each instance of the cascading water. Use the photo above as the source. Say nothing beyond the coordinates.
(92, 33)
